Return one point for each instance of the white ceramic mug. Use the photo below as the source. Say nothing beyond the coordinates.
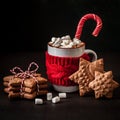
(69, 52)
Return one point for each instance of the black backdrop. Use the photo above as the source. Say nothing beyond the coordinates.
(29, 25)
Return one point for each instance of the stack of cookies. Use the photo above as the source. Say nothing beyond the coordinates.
(27, 88)
(92, 77)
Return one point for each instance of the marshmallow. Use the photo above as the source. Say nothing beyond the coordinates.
(56, 99)
(72, 43)
(49, 96)
(62, 95)
(38, 101)
(53, 39)
(76, 41)
(64, 42)
(67, 37)
(63, 38)
(57, 42)
(67, 46)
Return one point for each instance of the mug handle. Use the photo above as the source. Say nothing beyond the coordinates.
(89, 51)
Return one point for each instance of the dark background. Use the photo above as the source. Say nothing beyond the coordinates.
(29, 25)
(26, 28)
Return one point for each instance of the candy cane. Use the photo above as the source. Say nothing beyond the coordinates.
(83, 20)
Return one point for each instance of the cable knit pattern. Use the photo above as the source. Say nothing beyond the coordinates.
(60, 68)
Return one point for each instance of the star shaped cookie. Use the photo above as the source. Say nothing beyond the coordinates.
(103, 84)
(85, 74)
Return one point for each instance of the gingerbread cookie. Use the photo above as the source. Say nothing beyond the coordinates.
(85, 74)
(14, 89)
(44, 86)
(28, 90)
(8, 78)
(41, 80)
(103, 84)
(29, 82)
(42, 92)
(6, 81)
(29, 96)
(13, 95)
(6, 90)
(15, 82)
(5, 84)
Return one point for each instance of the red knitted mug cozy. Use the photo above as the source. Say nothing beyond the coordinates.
(60, 68)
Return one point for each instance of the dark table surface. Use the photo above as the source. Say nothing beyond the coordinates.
(72, 108)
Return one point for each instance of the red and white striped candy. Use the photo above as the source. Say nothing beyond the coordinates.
(84, 19)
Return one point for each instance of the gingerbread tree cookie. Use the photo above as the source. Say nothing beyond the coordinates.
(103, 84)
(85, 74)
